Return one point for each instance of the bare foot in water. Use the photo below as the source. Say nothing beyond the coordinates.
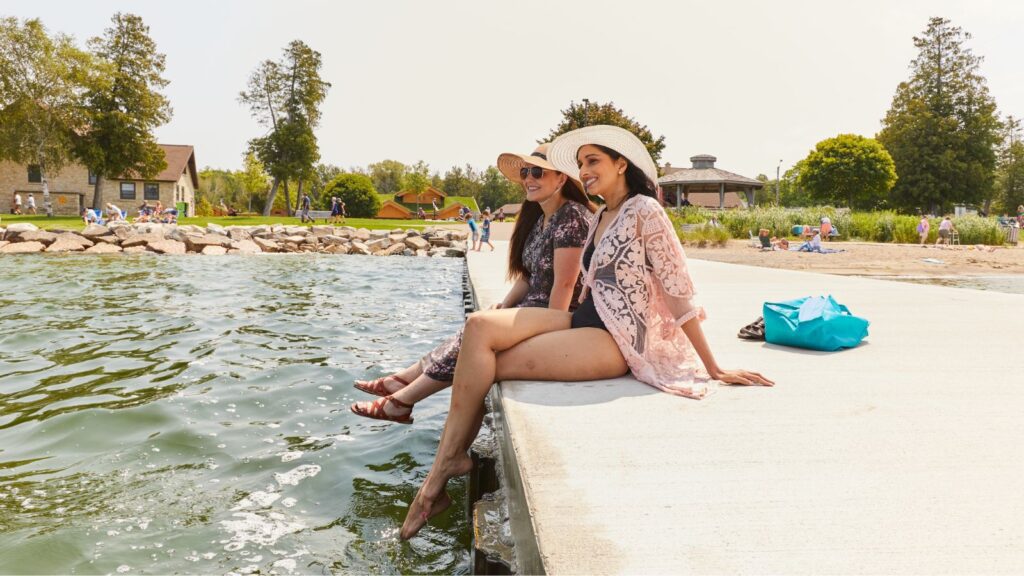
(432, 499)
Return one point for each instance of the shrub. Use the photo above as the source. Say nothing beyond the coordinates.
(977, 230)
(203, 207)
(358, 194)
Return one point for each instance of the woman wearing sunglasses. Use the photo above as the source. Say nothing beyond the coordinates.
(544, 260)
(637, 311)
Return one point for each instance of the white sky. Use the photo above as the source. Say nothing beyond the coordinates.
(455, 82)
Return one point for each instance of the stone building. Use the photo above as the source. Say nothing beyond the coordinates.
(72, 188)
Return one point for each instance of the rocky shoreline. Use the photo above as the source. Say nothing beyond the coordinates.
(25, 238)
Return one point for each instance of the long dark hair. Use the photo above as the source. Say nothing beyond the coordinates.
(528, 216)
(636, 181)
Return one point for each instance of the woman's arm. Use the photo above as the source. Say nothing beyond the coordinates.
(567, 270)
(695, 333)
(515, 295)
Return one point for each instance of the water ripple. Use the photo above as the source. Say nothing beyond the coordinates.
(151, 407)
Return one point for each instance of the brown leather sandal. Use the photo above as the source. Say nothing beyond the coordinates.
(377, 387)
(377, 412)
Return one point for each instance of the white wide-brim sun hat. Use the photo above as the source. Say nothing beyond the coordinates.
(562, 152)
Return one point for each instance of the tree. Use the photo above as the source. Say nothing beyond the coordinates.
(496, 190)
(387, 175)
(588, 114)
(123, 112)
(42, 83)
(942, 129)
(358, 194)
(848, 169)
(253, 179)
(1010, 173)
(285, 98)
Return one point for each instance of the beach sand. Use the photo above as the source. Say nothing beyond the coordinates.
(858, 258)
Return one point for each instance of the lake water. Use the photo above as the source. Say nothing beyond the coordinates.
(1010, 284)
(190, 414)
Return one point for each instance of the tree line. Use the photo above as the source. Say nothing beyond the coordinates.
(97, 105)
(942, 143)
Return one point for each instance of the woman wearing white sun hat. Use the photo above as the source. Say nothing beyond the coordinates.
(636, 312)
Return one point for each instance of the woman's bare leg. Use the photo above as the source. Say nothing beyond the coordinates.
(486, 335)
(418, 389)
(409, 374)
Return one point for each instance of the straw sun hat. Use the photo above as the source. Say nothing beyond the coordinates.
(562, 152)
(509, 164)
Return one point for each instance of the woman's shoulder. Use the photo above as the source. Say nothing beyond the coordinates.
(573, 212)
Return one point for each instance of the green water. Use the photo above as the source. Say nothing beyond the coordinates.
(190, 414)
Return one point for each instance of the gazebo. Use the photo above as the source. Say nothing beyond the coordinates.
(705, 185)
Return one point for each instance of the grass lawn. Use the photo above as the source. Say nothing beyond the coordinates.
(75, 223)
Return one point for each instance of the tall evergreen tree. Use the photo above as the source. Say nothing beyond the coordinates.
(123, 112)
(942, 128)
(285, 98)
(1010, 173)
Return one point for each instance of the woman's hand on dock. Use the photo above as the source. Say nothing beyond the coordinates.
(742, 378)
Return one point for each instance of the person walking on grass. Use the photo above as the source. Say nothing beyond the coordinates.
(306, 204)
(31, 204)
(17, 203)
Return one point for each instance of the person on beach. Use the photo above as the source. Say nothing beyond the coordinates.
(923, 228)
(826, 227)
(485, 237)
(543, 260)
(946, 230)
(637, 311)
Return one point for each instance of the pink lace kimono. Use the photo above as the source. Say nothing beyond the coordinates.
(644, 294)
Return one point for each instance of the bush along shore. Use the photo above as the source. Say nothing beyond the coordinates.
(26, 238)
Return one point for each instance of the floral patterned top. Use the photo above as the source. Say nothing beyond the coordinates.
(567, 228)
(643, 293)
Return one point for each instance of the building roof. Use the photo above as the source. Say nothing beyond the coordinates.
(704, 172)
(428, 190)
(178, 157)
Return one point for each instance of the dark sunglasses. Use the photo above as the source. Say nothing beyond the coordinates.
(536, 171)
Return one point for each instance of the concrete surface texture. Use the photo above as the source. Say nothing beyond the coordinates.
(902, 456)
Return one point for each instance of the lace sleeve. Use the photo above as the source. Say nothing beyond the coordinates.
(665, 257)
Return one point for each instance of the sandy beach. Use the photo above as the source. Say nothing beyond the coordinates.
(860, 258)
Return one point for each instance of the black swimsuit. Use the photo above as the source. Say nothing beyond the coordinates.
(586, 315)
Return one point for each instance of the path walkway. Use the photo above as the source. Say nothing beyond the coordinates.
(903, 455)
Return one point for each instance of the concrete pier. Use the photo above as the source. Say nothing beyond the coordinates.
(902, 456)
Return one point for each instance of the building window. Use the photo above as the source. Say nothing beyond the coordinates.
(151, 191)
(92, 178)
(127, 190)
(34, 173)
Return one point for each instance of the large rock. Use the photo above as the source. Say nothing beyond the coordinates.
(359, 248)
(337, 249)
(103, 248)
(374, 234)
(239, 234)
(135, 250)
(65, 245)
(267, 245)
(296, 230)
(167, 247)
(3, 243)
(214, 250)
(20, 227)
(245, 247)
(42, 236)
(455, 252)
(199, 243)
(417, 243)
(95, 230)
(22, 248)
(393, 250)
(107, 239)
(395, 238)
(72, 237)
(361, 234)
(141, 240)
(260, 230)
(323, 230)
(331, 240)
(176, 234)
(437, 241)
(295, 238)
(412, 232)
(122, 232)
(213, 228)
(378, 244)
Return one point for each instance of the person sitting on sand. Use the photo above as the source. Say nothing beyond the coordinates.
(780, 244)
(826, 227)
(814, 245)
